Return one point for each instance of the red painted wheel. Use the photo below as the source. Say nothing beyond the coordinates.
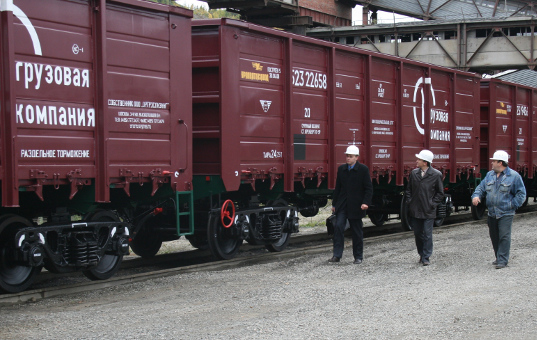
(227, 213)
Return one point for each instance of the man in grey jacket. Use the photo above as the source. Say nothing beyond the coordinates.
(424, 192)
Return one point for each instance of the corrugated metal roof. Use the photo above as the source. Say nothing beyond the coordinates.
(454, 9)
(523, 77)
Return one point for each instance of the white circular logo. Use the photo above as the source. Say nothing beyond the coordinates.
(77, 49)
(420, 81)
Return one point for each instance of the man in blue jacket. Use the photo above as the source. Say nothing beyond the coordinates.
(352, 196)
(505, 192)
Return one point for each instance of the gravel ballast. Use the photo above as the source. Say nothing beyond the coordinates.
(390, 296)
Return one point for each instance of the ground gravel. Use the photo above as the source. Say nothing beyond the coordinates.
(389, 296)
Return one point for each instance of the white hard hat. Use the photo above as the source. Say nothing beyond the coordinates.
(426, 155)
(500, 156)
(352, 150)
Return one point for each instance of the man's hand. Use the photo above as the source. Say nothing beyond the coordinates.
(364, 206)
(476, 201)
(333, 209)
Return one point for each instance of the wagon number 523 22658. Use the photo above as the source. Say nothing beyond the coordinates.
(310, 79)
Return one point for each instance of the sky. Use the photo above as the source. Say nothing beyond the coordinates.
(383, 17)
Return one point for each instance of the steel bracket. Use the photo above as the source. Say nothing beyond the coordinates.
(158, 177)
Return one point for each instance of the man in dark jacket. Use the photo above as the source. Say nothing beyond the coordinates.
(424, 192)
(351, 198)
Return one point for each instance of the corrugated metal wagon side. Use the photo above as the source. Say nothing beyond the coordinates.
(274, 112)
(96, 119)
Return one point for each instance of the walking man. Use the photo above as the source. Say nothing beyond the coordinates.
(352, 196)
(424, 192)
(505, 192)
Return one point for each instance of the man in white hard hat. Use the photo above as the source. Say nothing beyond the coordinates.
(505, 192)
(424, 192)
(352, 196)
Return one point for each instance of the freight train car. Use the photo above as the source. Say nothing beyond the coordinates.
(274, 112)
(508, 122)
(96, 115)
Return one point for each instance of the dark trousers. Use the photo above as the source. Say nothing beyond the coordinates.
(357, 235)
(423, 233)
(500, 235)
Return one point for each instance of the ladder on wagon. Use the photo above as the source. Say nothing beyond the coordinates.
(188, 198)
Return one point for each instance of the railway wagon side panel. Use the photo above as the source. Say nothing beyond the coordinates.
(440, 114)
(441, 108)
(206, 156)
(533, 135)
(261, 105)
(501, 135)
(92, 94)
(52, 118)
(382, 116)
(464, 152)
(506, 110)
(309, 110)
(147, 97)
(413, 122)
(485, 123)
(349, 108)
(522, 126)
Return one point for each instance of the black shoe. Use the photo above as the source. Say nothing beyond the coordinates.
(334, 259)
(501, 265)
(495, 262)
(421, 260)
(357, 261)
(426, 262)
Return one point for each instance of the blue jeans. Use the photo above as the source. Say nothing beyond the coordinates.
(357, 235)
(500, 235)
(423, 233)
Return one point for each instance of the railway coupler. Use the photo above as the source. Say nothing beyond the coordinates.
(69, 247)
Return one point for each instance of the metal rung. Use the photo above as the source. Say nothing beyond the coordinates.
(190, 212)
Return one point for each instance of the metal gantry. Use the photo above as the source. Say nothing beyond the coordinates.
(450, 9)
(479, 45)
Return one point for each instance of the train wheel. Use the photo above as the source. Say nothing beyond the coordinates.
(438, 222)
(404, 216)
(146, 243)
(13, 278)
(478, 211)
(222, 243)
(377, 219)
(109, 263)
(282, 243)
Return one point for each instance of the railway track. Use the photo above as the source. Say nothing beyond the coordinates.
(138, 270)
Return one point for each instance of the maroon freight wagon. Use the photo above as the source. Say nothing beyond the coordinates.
(509, 123)
(273, 107)
(96, 116)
